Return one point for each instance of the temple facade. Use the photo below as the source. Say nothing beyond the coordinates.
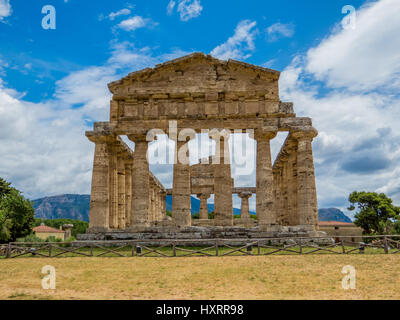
(184, 97)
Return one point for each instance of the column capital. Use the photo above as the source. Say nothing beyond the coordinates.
(100, 138)
(308, 134)
(260, 134)
(203, 195)
(245, 195)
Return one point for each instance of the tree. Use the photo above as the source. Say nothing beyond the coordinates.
(5, 226)
(18, 212)
(5, 188)
(376, 215)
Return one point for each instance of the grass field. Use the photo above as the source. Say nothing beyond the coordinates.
(268, 277)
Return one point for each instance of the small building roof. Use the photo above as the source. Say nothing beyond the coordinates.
(47, 229)
(335, 223)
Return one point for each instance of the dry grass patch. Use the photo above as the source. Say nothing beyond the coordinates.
(272, 277)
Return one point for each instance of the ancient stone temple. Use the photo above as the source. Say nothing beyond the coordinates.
(181, 98)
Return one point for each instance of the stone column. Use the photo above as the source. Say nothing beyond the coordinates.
(223, 182)
(203, 206)
(128, 192)
(113, 194)
(245, 211)
(181, 193)
(99, 199)
(307, 208)
(163, 205)
(140, 183)
(267, 218)
(121, 191)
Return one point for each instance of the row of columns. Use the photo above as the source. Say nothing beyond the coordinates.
(294, 182)
(124, 195)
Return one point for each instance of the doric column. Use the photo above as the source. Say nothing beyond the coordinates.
(292, 184)
(245, 211)
(121, 191)
(99, 199)
(113, 180)
(307, 208)
(181, 193)
(128, 192)
(267, 218)
(163, 205)
(140, 183)
(223, 182)
(203, 206)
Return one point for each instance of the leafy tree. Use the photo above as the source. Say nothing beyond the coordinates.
(5, 188)
(376, 215)
(5, 226)
(19, 211)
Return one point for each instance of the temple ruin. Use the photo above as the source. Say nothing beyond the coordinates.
(201, 93)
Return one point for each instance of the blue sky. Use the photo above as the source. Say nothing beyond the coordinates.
(53, 82)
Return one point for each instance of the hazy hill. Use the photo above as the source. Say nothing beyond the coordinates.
(75, 206)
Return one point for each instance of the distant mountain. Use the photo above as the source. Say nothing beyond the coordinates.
(332, 214)
(66, 206)
(74, 206)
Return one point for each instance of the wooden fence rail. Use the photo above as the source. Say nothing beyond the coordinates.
(385, 244)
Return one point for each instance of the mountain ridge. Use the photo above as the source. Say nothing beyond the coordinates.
(77, 207)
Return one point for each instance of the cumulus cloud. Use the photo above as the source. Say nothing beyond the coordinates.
(358, 146)
(5, 9)
(240, 45)
(280, 30)
(364, 58)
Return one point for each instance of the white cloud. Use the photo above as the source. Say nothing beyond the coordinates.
(364, 58)
(133, 23)
(5, 9)
(170, 7)
(358, 145)
(280, 30)
(189, 9)
(122, 12)
(240, 44)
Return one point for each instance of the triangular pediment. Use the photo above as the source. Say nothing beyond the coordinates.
(196, 72)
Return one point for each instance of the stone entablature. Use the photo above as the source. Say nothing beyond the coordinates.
(203, 94)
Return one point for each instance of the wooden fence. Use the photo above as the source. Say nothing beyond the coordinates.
(209, 247)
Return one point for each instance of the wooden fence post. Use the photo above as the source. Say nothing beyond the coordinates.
(174, 248)
(8, 251)
(216, 248)
(386, 246)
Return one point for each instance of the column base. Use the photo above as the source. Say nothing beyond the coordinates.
(270, 228)
(97, 229)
